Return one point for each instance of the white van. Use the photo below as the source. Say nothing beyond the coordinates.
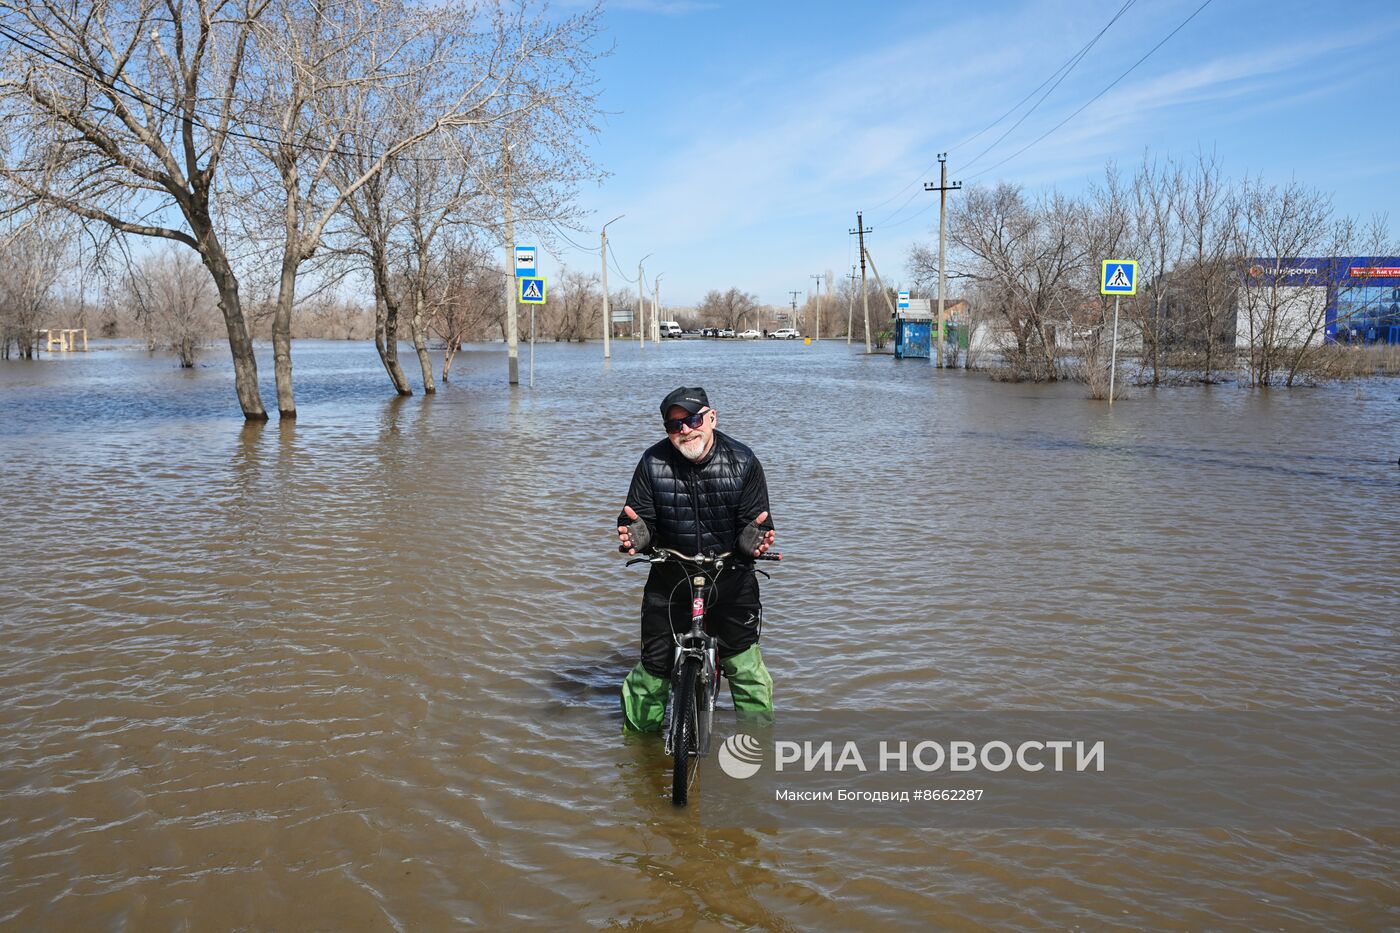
(670, 329)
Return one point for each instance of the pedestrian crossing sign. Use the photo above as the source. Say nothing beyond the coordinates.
(1119, 277)
(531, 290)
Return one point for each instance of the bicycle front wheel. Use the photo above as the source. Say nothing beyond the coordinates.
(683, 731)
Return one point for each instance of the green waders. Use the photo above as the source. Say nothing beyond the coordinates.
(644, 694)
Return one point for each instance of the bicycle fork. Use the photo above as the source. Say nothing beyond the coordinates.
(697, 643)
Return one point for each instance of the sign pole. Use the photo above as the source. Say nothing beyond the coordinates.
(532, 346)
(1117, 277)
(1113, 366)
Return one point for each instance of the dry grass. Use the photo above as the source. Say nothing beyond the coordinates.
(1343, 362)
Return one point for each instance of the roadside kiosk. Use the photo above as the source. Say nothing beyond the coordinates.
(913, 330)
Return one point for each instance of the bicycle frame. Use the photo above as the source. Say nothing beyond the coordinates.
(697, 643)
(693, 646)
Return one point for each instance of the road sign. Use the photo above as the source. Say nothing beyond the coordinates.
(524, 260)
(904, 300)
(531, 290)
(1119, 277)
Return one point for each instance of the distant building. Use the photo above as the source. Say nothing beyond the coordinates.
(1357, 297)
(1342, 299)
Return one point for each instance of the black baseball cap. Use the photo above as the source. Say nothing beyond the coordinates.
(692, 399)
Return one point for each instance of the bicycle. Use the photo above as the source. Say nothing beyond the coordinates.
(694, 670)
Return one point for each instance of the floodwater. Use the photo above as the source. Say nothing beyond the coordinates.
(359, 672)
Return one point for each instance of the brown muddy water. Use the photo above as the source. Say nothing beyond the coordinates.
(359, 672)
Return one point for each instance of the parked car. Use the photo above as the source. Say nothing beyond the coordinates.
(670, 329)
(785, 333)
(726, 332)
(748, 335)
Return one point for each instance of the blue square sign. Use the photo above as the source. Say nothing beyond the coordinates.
(531, 290)
(1119, 277)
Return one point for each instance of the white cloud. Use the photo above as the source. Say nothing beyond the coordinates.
(757, 172)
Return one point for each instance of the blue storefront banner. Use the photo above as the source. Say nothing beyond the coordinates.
(1363, 292)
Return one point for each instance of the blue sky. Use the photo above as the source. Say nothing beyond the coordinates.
(742, 138)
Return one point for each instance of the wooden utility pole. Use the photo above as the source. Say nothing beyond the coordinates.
(861, 230)
(942, 188)
(794, 295)
(819, 305)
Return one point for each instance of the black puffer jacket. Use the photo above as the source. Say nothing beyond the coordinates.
(698, 508)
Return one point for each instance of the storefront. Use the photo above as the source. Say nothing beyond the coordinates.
(1363, 292)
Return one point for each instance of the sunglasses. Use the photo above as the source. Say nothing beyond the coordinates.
(673, 425)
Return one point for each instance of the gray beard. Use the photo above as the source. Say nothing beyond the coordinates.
(691, 452)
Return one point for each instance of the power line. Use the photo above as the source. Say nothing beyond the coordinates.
(1069, 63)
(612, 255)
(1075, 62)
(560, 230)
(1091, 100)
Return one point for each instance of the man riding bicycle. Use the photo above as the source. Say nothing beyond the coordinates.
(698, 492)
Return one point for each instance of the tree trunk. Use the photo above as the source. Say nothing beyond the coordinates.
(386, 322)
(448, 356)
(245, 364)
(282, 333)
(386, 341)
(420, 343)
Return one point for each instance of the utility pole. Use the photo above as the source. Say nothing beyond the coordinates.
(641, 304)
(656, 309)
(794, 306)
(607, 314)
(850, 304)
(942, 188)
(861, 230)
(819, 304)
(512, 340)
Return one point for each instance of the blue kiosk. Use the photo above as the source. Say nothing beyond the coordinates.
(913, 331)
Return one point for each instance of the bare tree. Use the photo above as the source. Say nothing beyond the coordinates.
(1208, 278)
(524, 72)
(465, 297)
(1156, 245)
(729, 308)
(446, 69)
(575, 302)
(1283, 296)
(1022, 258)
(333, 317)
(174, 301)
(122, 116)
(1102, 228)
(31, 260)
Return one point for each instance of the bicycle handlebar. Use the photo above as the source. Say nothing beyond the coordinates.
(665, 553)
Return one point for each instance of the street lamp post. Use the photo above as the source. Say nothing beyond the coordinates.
(656, 309)
(641, 303)
(607, 315)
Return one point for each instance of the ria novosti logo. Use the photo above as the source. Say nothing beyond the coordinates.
(740, 756)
